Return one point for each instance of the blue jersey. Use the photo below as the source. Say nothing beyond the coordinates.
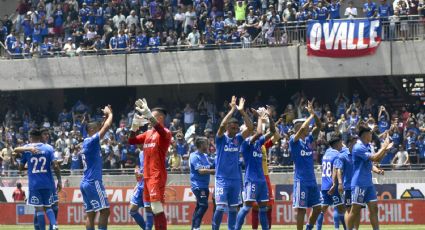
(92, 158)
(321, 15)
(39, 166)
(383, 125)
(370, 9)
(362, 165)
(140, 182)
(328, 162)
(384, 11)
(198, 161)
(345, 163)
(227, 161)
(302, 155)
(334, 11)
(253, 157)
(75, 162)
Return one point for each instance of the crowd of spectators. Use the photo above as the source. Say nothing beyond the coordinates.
(71, 27)
(202, 118)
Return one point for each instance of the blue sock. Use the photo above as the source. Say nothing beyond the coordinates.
(138, 218)
(198, 215)
(51, 216)
(263, 218)
(218, 216)
(241, 216)
(102, 228)
(41, 221)
(149, 220)
(309, 227)
(342, 220)
(231, 218)
(36, 227)
(336, 218)
(55, 208)
(319, 221)
(90, 228)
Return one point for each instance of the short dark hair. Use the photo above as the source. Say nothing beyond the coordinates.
(43, 130)
(200, 140)
(363, 129)
(92, 125)
(233, 121)
(35, 132)
(335, 138)
(161, 110)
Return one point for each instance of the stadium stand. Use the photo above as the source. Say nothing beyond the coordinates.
(71, 27)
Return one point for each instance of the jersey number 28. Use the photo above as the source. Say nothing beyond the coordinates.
(327, 167)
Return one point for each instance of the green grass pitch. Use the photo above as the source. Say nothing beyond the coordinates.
(180, 227)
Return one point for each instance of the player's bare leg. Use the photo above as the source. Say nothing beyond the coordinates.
(300, 218)
(103, 218)
(314, 214)
(373, 214)
(90, 220)
(347, 213)
(354, 214)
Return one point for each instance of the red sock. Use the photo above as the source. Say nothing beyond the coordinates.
(269, 216)
(254, 219)
(160, 221)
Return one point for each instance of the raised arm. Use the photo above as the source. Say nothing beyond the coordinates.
(222, 129)
(248, 123)
(142, 107)
(304, 128)
(107, 111)
(259, 132)
(317, 122)
(387, 145)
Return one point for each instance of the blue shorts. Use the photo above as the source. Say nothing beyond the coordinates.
(227, 192)
(305, 196)
(137, 197)
(55, 195)
(347, 198)
(334, 200)
(256, 191)
(201, 195)
(40, 197)
(94, 196)
(363, 195)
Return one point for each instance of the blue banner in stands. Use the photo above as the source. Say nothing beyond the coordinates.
(343, 38)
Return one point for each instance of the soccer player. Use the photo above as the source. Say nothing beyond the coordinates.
(155, 147)
(344, 172)
(228, 174)
(92, 189)
(39, 157)
(55, 206)
(306, 193)
(136, 201)
(45, 136)
(255, 186)
(330, 182)
(200, 171)
(362, 188)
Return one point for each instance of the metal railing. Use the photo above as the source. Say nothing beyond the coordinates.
(295, 33)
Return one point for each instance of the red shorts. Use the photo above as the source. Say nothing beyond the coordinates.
(269, 187)
(153, 191)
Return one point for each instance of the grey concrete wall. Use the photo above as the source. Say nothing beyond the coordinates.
(49, 73)
(206, 66)
(408, 57)
(188, 67)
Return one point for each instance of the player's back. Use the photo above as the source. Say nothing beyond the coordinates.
(328, 161)
(362, 166)
(92, 158)
(39, 166)
(346, 162)
(253, 157)
(227, 161)
(302, 155)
